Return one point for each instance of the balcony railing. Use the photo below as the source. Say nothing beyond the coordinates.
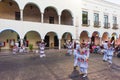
(106, 25)
(86, 23)
(97, 24)
(115, 26)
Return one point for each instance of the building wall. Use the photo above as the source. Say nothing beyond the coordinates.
(75, 8)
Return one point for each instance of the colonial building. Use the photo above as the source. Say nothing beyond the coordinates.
(56, 21)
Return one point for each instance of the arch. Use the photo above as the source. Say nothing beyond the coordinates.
(84, 36)
(68, 11)
(17, 2)
(67, 36)
(95, 39)
(86, 32)
(105, 36)
(115, 35)
(31, 12)
(9, 37)
(96, 33)
(8, 30)
(51, 38)
(33, 4)
(66, 17)
(50, 15)
(52, 8)
(9, 9)
(113, 38)
(34, 39)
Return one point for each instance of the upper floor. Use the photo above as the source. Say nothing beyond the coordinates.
(80, 13)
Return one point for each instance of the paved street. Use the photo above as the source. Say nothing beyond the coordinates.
(56, 66)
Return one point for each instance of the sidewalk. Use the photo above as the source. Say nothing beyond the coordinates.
(56, 66)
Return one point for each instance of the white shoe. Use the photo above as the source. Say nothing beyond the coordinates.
(84, 75)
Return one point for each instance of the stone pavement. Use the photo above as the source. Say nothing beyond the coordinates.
(56, 66)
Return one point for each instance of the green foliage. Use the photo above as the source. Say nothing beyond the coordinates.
(31, 47)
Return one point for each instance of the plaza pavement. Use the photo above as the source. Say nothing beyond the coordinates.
(56, 66)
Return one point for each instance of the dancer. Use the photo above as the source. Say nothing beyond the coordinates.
(83, 59)
(76, 53)
(110, 52)
(105, 47)
(70, 47)
(15, 48)
(42, 48)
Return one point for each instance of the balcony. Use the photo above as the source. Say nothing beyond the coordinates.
(115, 26)
(37, 26)
(86, 23)
(106, 25)
(97, 24)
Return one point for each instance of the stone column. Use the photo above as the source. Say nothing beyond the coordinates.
(59, 20)
(59, 44)
(21, 42)
(41, 17)
(21, 15)
(77, 28)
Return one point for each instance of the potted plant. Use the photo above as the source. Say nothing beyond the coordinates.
(31, 47)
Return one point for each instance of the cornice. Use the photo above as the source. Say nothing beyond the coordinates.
(103, 3)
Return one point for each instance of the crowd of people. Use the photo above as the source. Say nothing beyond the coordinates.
(23, 49)
(17, 49)
(81, 52)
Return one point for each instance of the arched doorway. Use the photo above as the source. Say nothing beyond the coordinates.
(66, 18)
(105, 36)
(9, 10)
(113, 39)
(95, 39)
(31, 13)
(65, 38)
(9, 37)
(32, 37)
(51, 39)
(84, 37)
(50, 15)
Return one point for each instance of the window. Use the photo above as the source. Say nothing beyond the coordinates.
(96, 17)
(84, 17)
(115, 25)
(51, 20)
(105, 19)
(114, 20)
(17, 15)
(106, 24)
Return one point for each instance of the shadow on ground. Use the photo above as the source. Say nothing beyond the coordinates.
(75, 75)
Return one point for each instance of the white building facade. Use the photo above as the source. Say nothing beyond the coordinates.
(55, 22)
